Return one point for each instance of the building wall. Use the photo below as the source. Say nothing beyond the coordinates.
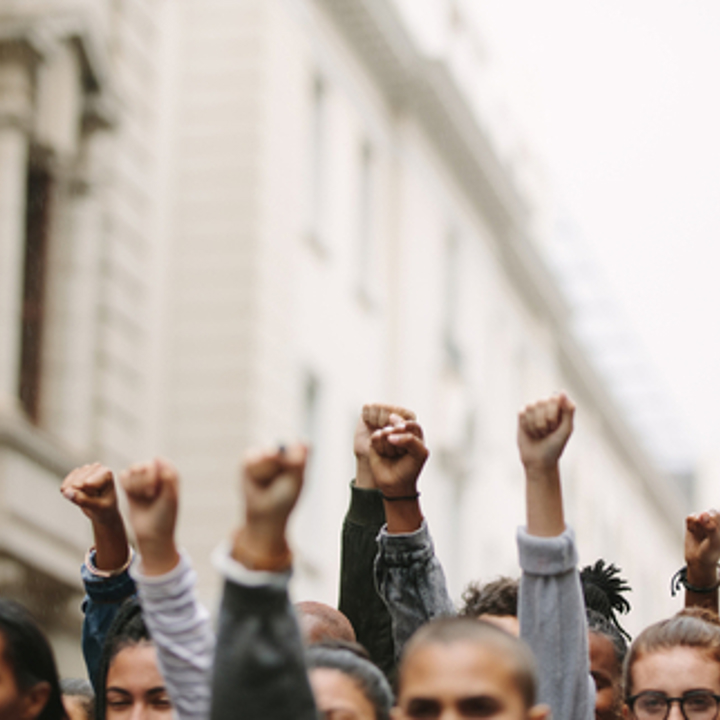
(273, 211)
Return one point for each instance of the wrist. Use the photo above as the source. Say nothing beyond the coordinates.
(701, 574)
(403, 516)
(541, 469)
(159, 560)
(363, 474)
(261, 551)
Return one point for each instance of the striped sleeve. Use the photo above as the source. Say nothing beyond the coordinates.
(181, 630)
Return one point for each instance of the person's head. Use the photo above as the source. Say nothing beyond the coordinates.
(607, 652)
(346, 682)
(29, 685)
(496, 602)
(675, 658)
(320, 622)
(128, 672)
(78, 698)
(463, 668)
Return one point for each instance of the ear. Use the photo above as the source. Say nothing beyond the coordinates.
(539, 712)
(626, 712)
(34, 700)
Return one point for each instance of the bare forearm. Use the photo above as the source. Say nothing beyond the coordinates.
(111, 544)
(403, 516)
(545, 516)
(159, 555)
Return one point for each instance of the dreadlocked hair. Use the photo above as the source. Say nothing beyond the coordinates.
(127, 629)
(603, 589)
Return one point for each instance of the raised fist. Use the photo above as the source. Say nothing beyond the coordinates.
(702, 539)
(397, 455)
(543, 431)
(152, 493)
(271, 484)
(373, 417)
(92, 489)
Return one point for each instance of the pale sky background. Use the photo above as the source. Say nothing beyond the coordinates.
(629, 104)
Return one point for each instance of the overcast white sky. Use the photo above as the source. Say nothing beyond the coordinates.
(630, 91)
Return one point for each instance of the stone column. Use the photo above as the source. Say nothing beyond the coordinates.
(15, 115)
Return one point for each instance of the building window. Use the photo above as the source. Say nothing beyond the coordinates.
(318, 179)
(451, 300)
(37, 228)
(365, 226)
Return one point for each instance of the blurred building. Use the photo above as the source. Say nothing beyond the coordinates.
(231, 222)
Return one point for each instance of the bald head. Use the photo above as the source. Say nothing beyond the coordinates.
(320, 622)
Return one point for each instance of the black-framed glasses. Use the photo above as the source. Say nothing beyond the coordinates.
(694, 705)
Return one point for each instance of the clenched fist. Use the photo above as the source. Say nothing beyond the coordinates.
(543, 431)
(271, 484)
(152, 493)
(92, 489)
(374, 416)
(397, 455)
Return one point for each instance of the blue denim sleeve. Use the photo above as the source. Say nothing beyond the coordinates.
(411, 581)
(103, 597)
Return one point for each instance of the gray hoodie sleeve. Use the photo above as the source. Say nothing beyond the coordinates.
(411, 581)
(552, 622)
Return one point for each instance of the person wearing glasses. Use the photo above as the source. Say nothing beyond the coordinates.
(673, 669)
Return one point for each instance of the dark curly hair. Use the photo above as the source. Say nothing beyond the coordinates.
(499, 597)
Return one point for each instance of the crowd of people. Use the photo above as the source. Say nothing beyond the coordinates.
(548, 644)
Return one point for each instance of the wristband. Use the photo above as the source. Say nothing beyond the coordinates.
(679, 579)
(397, 498)
(90, 565)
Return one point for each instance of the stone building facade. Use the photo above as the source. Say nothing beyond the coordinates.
(230, 222)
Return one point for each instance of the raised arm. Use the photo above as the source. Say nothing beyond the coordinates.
(104, 573)
(702, 553)
(551, 606)
(259, 664)
(359, 599)
(178, 624)
(408, 575)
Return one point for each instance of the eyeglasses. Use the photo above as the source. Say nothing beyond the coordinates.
(694, 705)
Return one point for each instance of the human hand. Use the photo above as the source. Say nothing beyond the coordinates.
(152, 493)
(397, 455)
(374, 416)
(92, 489)
(544, 428)
(702, 539)
(271, 484)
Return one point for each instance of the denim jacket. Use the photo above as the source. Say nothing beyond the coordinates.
(411, 581)
(103, 598)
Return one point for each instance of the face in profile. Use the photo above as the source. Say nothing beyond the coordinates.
(134, 687)
(678, 672)
(14, 703)
(338, 697)
(460, 680)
